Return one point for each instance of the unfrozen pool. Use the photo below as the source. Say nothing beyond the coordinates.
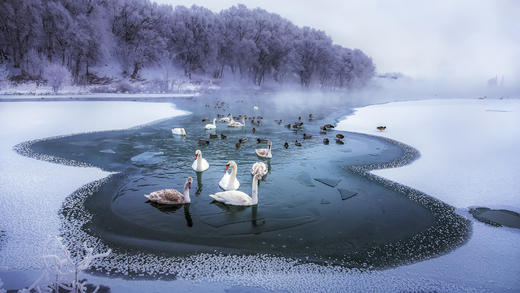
(313, 204)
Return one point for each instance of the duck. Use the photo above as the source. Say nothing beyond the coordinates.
(311, 116)
(381, 128)
(205, 119)
(179, 131)
(171, 196)
(253, 130)
(339, 141)
(278, 121)
(234, 123)
(200, 164)
(211, 126)
(339, 135)
(259, 168)
(237, 145)
(213, 135)
(307, 136)
(226, 119)
(222, 136)
(265, 153)
(239, 198)
(230, 181)
(242, 139)
(261, 140)
(286, 145)
(203, 142)
(297, 143)
(255, 107)
(288, 125)
(326, 140)
(328, 126)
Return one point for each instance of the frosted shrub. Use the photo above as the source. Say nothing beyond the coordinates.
(61, 269)
(56, 76)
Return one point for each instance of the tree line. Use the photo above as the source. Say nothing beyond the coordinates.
(252, 44)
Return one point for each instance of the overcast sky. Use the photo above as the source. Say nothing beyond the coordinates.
(466, 40)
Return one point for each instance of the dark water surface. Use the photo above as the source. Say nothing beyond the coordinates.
(311, 205)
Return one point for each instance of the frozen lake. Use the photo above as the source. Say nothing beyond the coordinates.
(129, 205)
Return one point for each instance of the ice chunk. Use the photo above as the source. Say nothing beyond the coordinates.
(148, 158)
(305, 179)
(107, 151)
(346, 194)
(328, 181)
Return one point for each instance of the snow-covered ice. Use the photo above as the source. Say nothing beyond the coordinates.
(32, 191)
(468, 147)
(468, 158)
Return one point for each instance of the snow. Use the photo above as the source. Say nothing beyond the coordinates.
(78, 95)
(468, 145)
(32, 191)
(468, 158)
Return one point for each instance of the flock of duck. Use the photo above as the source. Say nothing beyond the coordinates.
(229, 182)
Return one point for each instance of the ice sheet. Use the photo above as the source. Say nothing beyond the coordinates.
(468, 158)
(31, 191)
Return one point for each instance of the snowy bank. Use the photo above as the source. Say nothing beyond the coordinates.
(32, 191)
(468, 158)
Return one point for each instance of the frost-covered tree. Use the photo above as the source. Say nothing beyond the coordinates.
(251, 44)
(57, 76)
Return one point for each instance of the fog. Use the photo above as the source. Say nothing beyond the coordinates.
(445, 41)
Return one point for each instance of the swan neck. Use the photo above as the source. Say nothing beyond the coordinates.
(186, 194)
(254, 190)
(233, 173)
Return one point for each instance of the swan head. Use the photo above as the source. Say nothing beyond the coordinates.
(214, 120)
(197, 154)
(187, 185)
(231, 164)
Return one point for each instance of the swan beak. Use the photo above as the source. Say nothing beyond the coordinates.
(227, 167)
(196, 156)
(189, 185)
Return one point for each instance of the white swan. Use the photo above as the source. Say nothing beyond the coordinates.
(239, 198)
(234, 123)
(226, 119)
(211, 126)
(230, 181)
(259, 168)
(171, 196)
(265, 153)
(200, 164)
(178, 131)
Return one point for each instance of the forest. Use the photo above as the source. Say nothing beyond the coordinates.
(95, 41)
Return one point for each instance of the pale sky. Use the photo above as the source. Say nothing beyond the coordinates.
(454, 40)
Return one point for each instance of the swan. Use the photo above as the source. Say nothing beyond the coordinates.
(179, 131)
(239, 198)
(211, 126)
(265, 153)
(226, 119)
(234, 123)
(229, 181)
(171, 196)
(259, 168)
(200, 164)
